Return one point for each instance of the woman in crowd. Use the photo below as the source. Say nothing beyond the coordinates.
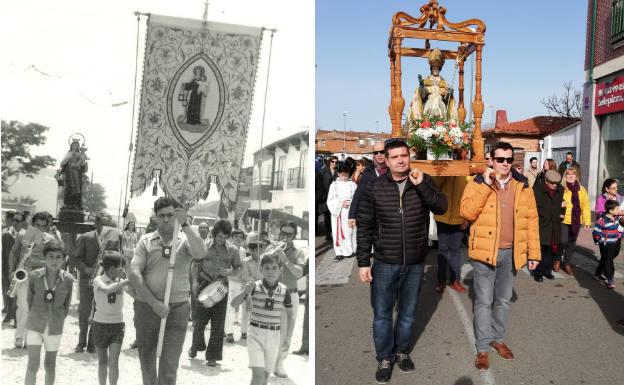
(577, 213)
(360, 166)
(549, 199)
(338, 201)
(609, 191)
(549, 164)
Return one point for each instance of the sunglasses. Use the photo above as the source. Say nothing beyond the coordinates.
(334, 161)
(500, 159)
(378, 152)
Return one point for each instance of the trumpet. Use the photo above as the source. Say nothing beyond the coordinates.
(20, 276)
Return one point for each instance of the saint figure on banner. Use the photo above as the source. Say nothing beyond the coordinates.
(197, 93)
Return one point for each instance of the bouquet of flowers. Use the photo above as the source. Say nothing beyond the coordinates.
(439, 136)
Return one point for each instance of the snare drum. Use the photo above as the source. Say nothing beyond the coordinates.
(212, 294)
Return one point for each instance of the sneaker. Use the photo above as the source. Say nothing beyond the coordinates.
(458, 287)
(405, 363)
(384, 372)
(243, 336)
(338, 258)
(230, 338)
(600, 277)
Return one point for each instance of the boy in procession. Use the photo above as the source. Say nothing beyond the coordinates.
(49, 291)
(270, 302)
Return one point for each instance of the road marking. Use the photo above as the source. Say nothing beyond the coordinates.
(487, 377)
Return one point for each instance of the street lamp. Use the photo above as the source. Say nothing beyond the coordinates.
(344, 135)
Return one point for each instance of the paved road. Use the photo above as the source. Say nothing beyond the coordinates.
(561, 331)
(83, 366)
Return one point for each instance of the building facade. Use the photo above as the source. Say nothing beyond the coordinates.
(278, 188)
(602, 131)
(541, 137)
(354, 144)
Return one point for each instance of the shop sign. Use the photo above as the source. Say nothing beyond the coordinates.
(609, 96)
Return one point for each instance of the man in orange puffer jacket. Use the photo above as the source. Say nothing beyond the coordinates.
(504, 235)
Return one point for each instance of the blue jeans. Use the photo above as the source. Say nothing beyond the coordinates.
(147, 324)
(493, 288)
(394, 284)
(449, 244)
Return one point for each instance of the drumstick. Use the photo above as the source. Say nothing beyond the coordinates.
(163, 321)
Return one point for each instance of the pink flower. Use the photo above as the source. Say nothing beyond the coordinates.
(425, 124)
(440, 123)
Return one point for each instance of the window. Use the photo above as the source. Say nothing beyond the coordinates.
(321, 143)
(278, 175)
(362, 142)
(617, 21)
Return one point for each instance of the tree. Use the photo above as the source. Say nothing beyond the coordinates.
(569, 104)
(17, 140)
(94, 198)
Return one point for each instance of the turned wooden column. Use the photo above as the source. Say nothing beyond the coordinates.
(461, 110)
(397, 103)
(477, 108)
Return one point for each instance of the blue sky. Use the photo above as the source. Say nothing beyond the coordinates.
(532, 48)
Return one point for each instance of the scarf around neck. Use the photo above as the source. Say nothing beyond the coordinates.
(575, 223)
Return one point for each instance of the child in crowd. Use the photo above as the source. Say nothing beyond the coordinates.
(608, 236)
(269, 299)
(338, 202)
(49, 296)
(108, 322)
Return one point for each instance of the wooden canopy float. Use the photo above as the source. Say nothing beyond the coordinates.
(470, 35)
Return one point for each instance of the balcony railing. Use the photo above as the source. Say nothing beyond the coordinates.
(617, 21)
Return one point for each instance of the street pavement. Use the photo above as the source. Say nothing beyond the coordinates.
(561, 332)
(82, 367)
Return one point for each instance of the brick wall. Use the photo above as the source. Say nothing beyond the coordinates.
(603, 51)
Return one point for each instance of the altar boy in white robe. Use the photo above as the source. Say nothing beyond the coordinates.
(338, 201)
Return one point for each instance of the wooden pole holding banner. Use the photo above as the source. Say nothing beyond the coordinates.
(163, 321)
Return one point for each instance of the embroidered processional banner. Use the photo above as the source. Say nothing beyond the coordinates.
(196, 97)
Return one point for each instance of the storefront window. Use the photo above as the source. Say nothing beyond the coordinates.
(611, 164)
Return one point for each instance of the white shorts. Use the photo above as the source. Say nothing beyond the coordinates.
(263, 346)
(51, 343)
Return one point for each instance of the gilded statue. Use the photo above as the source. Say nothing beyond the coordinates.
(434, 96)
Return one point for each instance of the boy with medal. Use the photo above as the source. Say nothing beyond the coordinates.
(269, 299)
(49, 296)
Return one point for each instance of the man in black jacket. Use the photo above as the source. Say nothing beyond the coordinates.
(394, 217)
(549, 201)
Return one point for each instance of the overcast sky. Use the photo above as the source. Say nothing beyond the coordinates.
(69, 65)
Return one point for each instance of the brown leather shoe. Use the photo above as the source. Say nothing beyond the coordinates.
(503, 350)
(567, 269)
(482, 362)
(556, 265)
(440, 287)
(458, 287)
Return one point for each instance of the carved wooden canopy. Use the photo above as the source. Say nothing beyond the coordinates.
(433, 25)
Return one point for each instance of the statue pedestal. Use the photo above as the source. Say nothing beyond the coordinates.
(71, 216)
(70, 224)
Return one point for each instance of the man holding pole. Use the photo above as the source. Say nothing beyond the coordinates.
(148, 275)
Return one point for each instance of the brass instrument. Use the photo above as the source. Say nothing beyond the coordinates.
(21, 275)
